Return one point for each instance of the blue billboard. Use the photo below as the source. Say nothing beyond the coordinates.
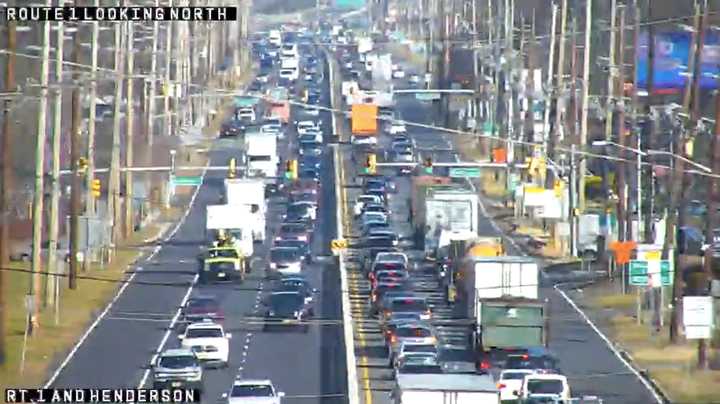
(672, 50)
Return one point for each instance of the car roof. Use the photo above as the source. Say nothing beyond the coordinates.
(252, 382)
(177, 352)
(205, 324)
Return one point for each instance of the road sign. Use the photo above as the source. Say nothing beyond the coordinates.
(698, 316)
(192, 181)
(465, 172)
(428, 96)
(338, 244)
(645, 273)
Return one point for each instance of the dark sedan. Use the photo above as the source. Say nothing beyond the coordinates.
(288, 308)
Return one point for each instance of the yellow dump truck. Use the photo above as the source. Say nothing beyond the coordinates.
(222, 264)
(485, 247)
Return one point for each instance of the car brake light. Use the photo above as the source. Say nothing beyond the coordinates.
(484, 365)
(526, 357)
(303, 238)
(501, 386)
(393, 339)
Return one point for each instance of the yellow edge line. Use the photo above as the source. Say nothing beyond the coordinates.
(360, 336)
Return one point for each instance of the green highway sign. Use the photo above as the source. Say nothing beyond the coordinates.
(639, 273)
(192, 181)
(428, 96)
(465, 172)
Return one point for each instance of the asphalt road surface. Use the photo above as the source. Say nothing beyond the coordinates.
(591, 367)
(308, 367)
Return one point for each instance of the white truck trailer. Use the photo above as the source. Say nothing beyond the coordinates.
(248, 195)
(235, 221)
(447, 208)
(445, 389)
(262, 155)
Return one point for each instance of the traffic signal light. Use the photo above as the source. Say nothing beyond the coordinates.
(291, 169)
(231, 168)
(371, 164)
(96, 188)
(82, 164)
(428, 163)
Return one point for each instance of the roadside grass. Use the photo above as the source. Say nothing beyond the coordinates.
(77, 309)
(80, 307)
(671, 366)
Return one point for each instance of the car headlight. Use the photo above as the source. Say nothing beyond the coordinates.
(273, 265)
(296, 314)
(271, 313)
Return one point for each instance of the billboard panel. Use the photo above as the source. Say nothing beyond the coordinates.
(672, 50)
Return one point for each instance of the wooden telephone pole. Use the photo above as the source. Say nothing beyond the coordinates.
(676, 215)
(6, 180)
(78, 173)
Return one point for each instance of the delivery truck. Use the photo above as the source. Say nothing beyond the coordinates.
(234, 222)
(248, 195)
(444, 207)
(445, 389)
(501, 295)
(261, 155)
(364, 124)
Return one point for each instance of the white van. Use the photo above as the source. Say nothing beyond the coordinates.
(544, 386)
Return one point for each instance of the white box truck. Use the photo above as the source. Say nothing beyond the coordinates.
(262, 156)
(235, 220)
(445, 389)
(501, 295)
(248, 195)
(447, 208)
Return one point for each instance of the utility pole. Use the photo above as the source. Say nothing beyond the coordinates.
(676, 216)
(620, 166)
(585, 103)
(648, 230)
(549, 89)
(6, 181)
(558, 135)
(638, 135)
(153, 82)
(712, 219)
(39, 196)
(611, 84)
(114, 180)
(52, 264)
(129, 131)
(90, 176)
(168, 87)
(77, 169)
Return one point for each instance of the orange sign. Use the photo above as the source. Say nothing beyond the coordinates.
(623, 251)
(499, 155)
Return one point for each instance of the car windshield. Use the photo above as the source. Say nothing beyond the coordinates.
(202, 304)
(366, 199)
(523, 362)
(408, 305)
(286, 300)
(292, 243)
(177, 361)
(293, 228)
(300, 208)
(223, 253)
(421, 369)
(543, 386)
(254, 159)
(412, 332)
(247, 390)
(204, 333)
(284, 254)
(513, 375)
(379, 242)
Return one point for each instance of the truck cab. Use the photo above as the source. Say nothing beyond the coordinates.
(222, 264)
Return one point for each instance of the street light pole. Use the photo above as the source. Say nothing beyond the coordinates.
(129, 131)
(585, 105)
(89, 197)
